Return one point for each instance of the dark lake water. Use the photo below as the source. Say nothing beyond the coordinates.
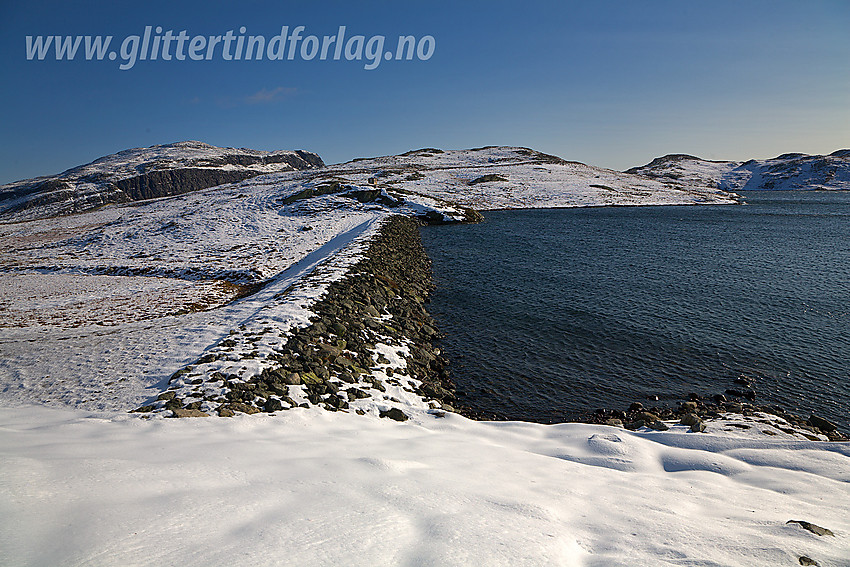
(552, 313)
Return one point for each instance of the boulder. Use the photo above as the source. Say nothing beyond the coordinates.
(821, 423)
(182, 412)
(395, 414)
(815, 529)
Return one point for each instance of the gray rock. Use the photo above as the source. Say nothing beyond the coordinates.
(817, 530)
(395, 414)
(821, 423)
(689, 419)
(356, 394)
(244, 408)
(646, 417)
(346, 377)
(372, 312)
(181, 412)
(279, 389)
(292, 379)
(330, 350)
(805, 560)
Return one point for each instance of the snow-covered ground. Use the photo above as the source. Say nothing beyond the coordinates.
(85, 323)
(310, 487)
(98, 309)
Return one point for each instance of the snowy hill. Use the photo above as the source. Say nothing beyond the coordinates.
(511, 178)
(788, 172)
(518, 178)
(142, 173)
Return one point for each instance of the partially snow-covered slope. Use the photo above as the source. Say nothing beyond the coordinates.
(515, 178)
(522, 178)
(306, 488)
(788, 172)
(142, 173)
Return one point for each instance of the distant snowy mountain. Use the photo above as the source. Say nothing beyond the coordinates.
(140, 174)
(788, 172)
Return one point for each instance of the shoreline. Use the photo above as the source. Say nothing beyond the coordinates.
(336, 362)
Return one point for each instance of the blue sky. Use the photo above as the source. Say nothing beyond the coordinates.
(610, 83)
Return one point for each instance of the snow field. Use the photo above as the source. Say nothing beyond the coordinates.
(308, 487)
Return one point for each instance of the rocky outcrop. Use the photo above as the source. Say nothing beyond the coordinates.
(170, 182)
(299, 159)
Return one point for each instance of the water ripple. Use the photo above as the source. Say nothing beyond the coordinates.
(550, 313)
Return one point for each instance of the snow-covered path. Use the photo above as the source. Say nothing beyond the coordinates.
(113, 368)
(293, 274)
(315, 488)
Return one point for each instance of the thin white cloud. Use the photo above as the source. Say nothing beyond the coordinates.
(264, 95)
